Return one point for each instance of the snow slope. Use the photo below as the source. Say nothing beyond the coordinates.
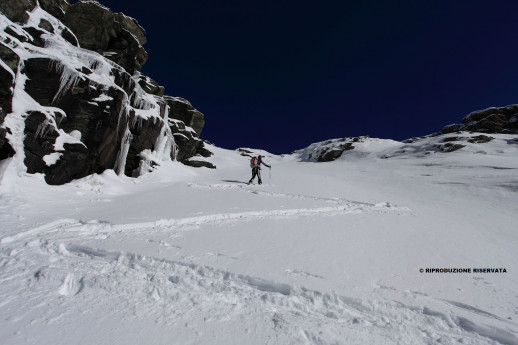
(321, 253)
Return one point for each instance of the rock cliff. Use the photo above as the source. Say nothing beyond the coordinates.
(73, 101)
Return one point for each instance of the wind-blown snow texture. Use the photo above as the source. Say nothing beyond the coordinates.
(323, 253)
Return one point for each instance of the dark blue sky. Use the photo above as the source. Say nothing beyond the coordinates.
(281, 75)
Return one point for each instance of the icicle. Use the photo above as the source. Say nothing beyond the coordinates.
(94, 63)
(120, 163)
(43, 129)
(140, 101)
(174, 149)
(165, 143)
(124, 109)
(174, 146)
(58, 122)
(69, 79)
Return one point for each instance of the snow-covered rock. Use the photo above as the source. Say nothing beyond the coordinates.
(491, 120)
(357, 147)
(56, 80)
(118, 37)
(373, 148)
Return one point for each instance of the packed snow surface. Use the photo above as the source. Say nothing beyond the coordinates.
(321, 253)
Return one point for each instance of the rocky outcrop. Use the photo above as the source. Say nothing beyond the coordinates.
(183, 110)
(502, 120)
(186, 124)
(329, 150)
(116, 36)
(150, 86)
(82, 111)
(195, 163)
(7, 76)
(17, 10)
(56, 8)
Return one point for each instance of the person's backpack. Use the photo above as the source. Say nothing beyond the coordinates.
(254, 162)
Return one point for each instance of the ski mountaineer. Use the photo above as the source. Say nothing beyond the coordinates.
(255, 164)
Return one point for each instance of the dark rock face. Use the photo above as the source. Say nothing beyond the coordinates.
(449, 146)
(99, 123)
(56, 8)
(330, 150)
(182, 110)
(40, 137)
(69, 36)
(117, 37)
(493, 120)
(16, 10)
(46, 25)
(35, 36)
(334, 153)
(86, 114)
(480, 139)
(6, 150)
(188, 143)
(11, 59)
(150, 86)
(199, 164)
(186, 124)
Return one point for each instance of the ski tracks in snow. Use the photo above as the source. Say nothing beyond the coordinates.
(262, 191)
(184, 295)
(42, 263)
(78, 228)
